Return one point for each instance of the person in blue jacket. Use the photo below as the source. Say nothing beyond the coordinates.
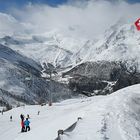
(27, 125)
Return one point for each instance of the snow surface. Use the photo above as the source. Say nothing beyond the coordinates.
(112, 117)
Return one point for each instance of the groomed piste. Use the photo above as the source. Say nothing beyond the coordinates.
(112, 117)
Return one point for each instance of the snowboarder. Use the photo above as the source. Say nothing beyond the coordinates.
(10, 118)
(27, 126)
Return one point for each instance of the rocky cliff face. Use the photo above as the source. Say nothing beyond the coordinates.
(102, 77)
(99, 70)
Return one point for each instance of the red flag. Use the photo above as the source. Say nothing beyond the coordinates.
(137, 23)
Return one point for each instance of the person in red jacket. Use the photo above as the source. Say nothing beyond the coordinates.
(22, 126)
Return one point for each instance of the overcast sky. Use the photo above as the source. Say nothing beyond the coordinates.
(77, 18)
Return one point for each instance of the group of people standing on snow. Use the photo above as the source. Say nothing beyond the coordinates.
(25, 123)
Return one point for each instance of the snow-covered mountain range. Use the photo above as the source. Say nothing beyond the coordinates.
(51, 47)
(120, 42)
(72, 69)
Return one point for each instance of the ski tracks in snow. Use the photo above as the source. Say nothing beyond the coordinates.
(112, 117)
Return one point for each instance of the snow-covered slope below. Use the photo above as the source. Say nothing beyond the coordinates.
(114, 117)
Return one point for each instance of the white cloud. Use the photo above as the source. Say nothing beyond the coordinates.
(10, 25)
(7, 24)
(84, 18)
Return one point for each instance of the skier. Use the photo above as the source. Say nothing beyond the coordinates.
(22, 126)
(22, 123)
(38, 113)
(10, 118)
(2, 112)
(22, 117)
(28, 116)
(27, 126)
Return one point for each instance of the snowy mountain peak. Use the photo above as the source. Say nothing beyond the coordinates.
(118, 43)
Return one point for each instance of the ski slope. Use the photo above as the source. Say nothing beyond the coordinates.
(112, 117)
